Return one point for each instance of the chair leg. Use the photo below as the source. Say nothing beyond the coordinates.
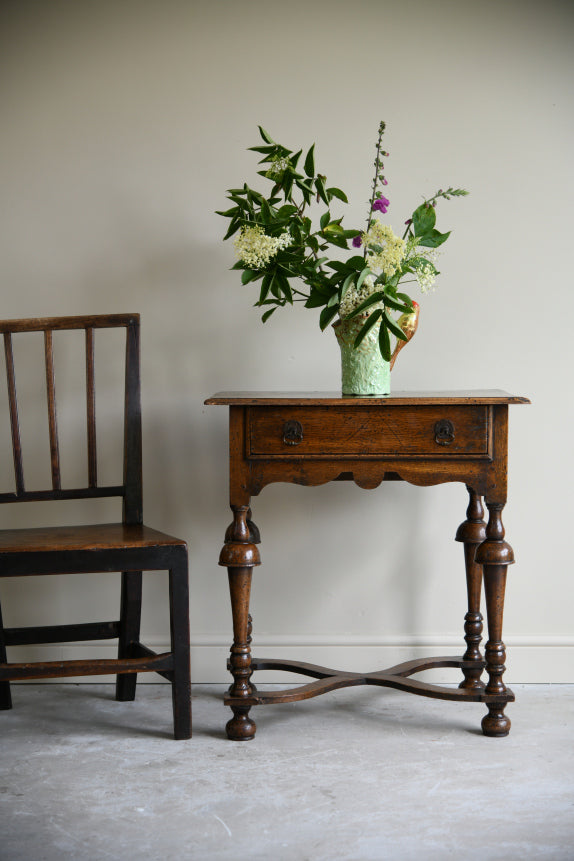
(179, 626)
(130, 618)
(5, 695)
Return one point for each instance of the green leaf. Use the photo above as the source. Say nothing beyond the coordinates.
(316, 299)
(266, 150)
(233, 228)
(336, 192)
(247, 275)
(384, 341)
(379, 296)
(257, 197)
(334, 228)
(304, 186)
(265, 135)
(326, 288)
(325, 219)
(295, 158)
(327, 314)
(346, 284)
(238, 199)
(395, 329)
(275, 286)
(391, 302)
(366, 271)
(319, 185)
(265, 285)
(284, 286)
(287, 184)
(265, 211)
(228, 212)
(376, 315)
(424, 219)
(406, 299)
(333, 300)
(286, 210)
(433, 239)
(356, 262)
(338, 241)
(310, 162)
(267, 314)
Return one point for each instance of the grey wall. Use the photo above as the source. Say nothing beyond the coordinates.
(123, 123)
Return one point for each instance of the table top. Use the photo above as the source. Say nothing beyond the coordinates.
(404, 398)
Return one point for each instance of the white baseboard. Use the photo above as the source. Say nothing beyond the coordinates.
(530, 660)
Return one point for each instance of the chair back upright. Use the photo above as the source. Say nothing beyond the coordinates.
(130, 488)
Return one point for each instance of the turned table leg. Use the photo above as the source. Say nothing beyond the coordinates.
(240, 555)
(472, 533)
(495, 555)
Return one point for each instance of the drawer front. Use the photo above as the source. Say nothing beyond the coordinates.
(365, 431)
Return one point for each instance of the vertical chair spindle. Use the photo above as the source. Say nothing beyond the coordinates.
(51, 392)
(14, 423)
(91, 410)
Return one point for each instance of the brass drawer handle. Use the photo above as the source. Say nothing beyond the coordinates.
(292, 432)
(444, 432)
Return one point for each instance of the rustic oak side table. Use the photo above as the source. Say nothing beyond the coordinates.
(424, 438)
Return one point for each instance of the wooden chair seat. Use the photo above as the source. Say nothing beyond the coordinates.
(127, 547)
(98, 537)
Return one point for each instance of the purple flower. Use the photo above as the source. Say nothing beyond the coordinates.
(357, 241)
(381, 204)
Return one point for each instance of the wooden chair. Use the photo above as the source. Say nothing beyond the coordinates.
(127, 547)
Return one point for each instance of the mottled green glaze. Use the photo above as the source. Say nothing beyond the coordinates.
(364, 371)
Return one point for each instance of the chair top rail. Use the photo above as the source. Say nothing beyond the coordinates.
(93, 321)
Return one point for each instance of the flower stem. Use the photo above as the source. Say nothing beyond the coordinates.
(382, 126)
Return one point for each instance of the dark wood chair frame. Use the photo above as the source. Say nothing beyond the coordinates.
(127, 547)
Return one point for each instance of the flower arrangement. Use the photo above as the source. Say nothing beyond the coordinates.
(278, 244)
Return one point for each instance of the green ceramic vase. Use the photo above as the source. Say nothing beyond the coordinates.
(364, 371)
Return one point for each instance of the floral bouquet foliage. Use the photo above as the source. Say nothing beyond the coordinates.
(277, 243)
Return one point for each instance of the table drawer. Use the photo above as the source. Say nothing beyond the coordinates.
(363, 431)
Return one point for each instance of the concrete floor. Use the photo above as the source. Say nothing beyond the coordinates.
(362, 773)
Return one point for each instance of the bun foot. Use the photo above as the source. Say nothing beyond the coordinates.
(240, 727)
(496, 724)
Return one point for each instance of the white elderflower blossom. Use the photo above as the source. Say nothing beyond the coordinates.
(277, 168)
(425, 274)
(256, 249)
(388, 251)
(424, 266)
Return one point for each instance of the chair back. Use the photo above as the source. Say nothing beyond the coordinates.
(130, 487)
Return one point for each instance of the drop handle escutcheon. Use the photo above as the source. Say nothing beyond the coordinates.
(292, 432)
(444, 432)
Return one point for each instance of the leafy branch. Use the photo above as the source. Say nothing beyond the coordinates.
(277, 243)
